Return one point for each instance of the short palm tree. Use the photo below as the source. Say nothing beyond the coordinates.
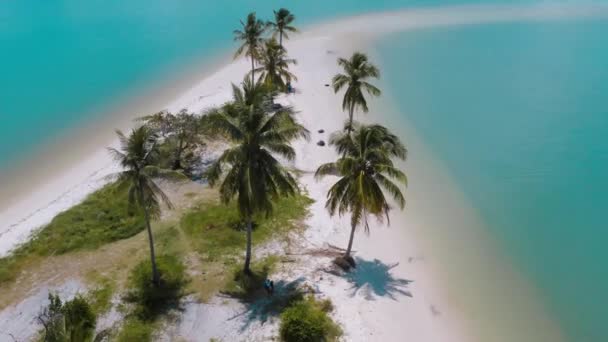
(249, 170)
(367, 173)
(357, 70)
(274, 69)
(282, 24)
(252, 39)
(135, 156)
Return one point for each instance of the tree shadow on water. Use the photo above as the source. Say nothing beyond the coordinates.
(262, 306)
(374, 278)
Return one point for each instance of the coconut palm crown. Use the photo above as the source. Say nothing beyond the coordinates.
(251, 38)
(274, 69)
(249, 170)
(367, 174)
(357, 71)
(135, 156)
(281, 25)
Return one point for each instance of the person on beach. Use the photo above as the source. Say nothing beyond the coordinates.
(267, 286)
(271, 287)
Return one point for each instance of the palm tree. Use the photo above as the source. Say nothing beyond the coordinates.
(366, 172)
(274, 67)
(357, 70)
(252, 39)
(137, 151)
(281, 24)
(249, 170)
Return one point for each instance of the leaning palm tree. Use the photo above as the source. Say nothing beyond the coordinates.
(274, 69)
(367, 174)
(135, 156)
(282, 24)
(252, 39)
(357, 70)
(249, 170)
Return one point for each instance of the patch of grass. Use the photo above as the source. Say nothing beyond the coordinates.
(216, 229)
(150, 301)
(103, 217)
(135, 330)
(100, 297)
(307, 321)
(250, 286)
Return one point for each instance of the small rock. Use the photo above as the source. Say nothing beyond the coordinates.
(327, 84)
(321, 143)
(321, 131)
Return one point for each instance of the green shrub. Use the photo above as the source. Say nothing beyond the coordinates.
(135, 331)
(72, 321)
(149, 300)
(306, 321)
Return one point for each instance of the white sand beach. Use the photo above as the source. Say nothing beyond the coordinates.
(409, 292)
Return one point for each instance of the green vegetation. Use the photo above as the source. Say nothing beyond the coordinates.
(103, 217)
(151, 299)
(274, 66)
(366, 173)
(249, 170)
(100, 297)
(357, 70)
(252, 39)
(307, 321)
(216, 230)
(282, 24)
(134, 330)
(136, 156)
(72, 321)
(247, 286)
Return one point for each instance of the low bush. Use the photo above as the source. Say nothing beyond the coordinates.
(306, 321)
(149, 300)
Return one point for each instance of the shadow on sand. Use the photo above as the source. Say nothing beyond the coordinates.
(262, 306)
(374, 278)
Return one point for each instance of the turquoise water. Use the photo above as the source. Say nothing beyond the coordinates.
(519, 114)
(62, 62)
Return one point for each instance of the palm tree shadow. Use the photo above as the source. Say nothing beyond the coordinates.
(263, 306)
(374, 278)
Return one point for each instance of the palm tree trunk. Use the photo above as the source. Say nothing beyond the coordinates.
(155, 275)
(252, 70)
(281, 38)
(247, 269)
(350, 241)
(350, 120)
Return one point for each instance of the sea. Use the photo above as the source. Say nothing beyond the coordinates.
(517, 112)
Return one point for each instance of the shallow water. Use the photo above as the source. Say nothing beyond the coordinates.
(518, 114)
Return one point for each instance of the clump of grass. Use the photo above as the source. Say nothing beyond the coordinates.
(249, 286)
(216, 229)
(103, 217)
(150, 301)
(307, 321)
(100, 297)
(135, 330)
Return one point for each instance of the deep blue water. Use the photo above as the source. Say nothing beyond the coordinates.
(519, 114)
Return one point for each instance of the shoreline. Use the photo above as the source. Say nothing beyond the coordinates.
(30, 202)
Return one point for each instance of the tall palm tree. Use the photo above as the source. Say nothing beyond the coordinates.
(252, 39)
(367, 173)
(357, 70)
(274, 69)
(282, 24)
(135, 156)
(249, 170)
